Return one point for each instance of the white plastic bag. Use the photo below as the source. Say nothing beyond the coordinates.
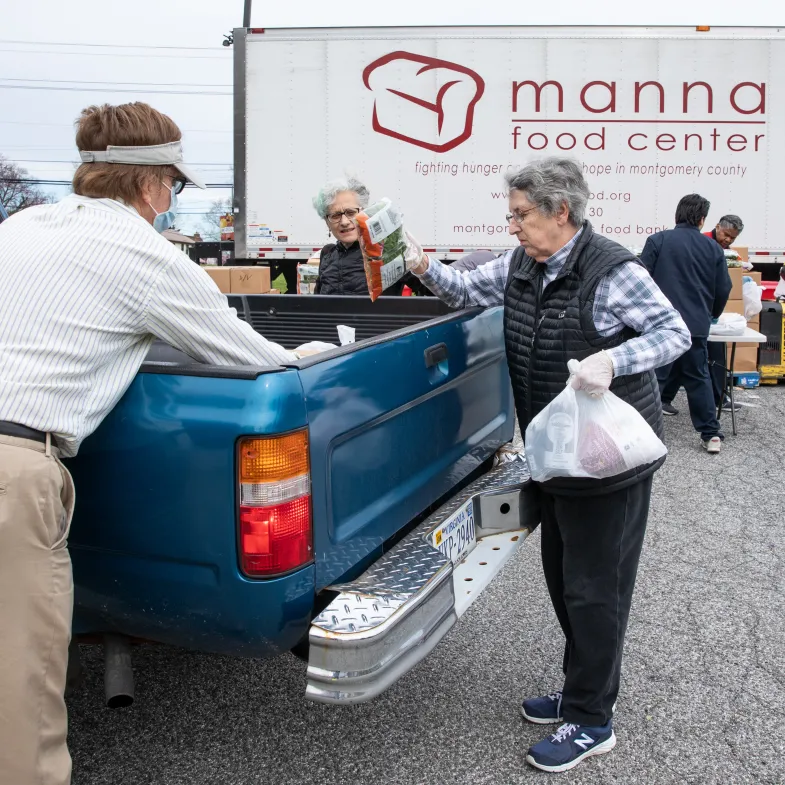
(779, 291)
(580, 436)
(752, 294)
(313, 347)
(345, 334)
(729, 324)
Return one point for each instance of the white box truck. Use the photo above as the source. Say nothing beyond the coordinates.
(434, 117)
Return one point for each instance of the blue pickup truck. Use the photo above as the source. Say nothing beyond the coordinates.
(344, 507)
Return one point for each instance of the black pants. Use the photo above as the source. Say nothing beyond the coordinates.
(717, 364)
(692, 371)
(590, 552)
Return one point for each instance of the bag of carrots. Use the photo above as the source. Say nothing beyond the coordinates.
(383, 246)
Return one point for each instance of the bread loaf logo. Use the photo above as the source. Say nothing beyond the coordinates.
(422, 100)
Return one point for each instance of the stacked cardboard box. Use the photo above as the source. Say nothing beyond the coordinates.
(241, 280)
(221, 276)
(746, 353)
(250, 280)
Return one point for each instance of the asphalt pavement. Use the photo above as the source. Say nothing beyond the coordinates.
(703, 690)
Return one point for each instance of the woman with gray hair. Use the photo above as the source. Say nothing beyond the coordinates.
(341, 269)
(569, 293)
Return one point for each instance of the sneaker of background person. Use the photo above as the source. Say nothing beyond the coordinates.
(713, 445)
(667, 408)
(566, 748)
(726, 407)
(544, 710)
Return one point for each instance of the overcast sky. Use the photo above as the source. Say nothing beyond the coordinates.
(57, 57)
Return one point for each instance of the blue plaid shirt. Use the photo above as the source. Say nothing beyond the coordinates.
(627, 296)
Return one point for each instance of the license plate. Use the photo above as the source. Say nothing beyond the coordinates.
(455, 537)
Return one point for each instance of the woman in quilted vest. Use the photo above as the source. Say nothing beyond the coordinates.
(341, 269)
(569, 293)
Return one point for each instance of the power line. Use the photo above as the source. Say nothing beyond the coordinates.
(113, 54)
(104, 81)
(110, 46)
(111, 90)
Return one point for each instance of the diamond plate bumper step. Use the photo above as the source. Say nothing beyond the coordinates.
(388, 619)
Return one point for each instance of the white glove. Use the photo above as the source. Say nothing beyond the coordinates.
(414, 257)
(593, 375)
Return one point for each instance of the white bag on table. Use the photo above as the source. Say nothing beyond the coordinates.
(577, 435)
(752, 295)
(729, 324)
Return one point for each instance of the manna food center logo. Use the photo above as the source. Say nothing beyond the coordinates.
(409, 104)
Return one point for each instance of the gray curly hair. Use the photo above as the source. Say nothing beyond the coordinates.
(549, 182)
(731, 222)
(328, 193)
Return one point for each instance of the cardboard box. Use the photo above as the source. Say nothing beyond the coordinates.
(222, 277)
(746, 358)
(742, 251)
(736, 274)
(250, 280)
(757, 277)
(748, 380)
(273, 291)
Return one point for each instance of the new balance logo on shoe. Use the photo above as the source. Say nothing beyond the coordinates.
(584, 742)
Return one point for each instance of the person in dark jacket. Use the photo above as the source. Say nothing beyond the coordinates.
(725, 233)
(341, 269)
(569, 293)
(692, 272)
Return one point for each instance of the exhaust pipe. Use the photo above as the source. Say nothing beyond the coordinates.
(118, 675)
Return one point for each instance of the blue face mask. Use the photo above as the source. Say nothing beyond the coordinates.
(164, 221)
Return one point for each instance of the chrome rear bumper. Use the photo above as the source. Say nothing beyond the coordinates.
(384, 622)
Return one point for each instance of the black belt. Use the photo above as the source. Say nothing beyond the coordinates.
(21, 432)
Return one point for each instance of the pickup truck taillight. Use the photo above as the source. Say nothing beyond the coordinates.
(275, 504)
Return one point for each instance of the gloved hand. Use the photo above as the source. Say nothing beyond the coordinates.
(415, 259)
(593, 375)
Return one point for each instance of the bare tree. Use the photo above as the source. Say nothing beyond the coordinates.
(15, 193)
(210, 227)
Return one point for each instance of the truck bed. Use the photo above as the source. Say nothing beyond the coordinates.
(395, 422)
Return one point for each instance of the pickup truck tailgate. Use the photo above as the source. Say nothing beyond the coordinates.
(395, 425)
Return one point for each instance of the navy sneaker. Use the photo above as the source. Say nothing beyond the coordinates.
(544, 710)
(570, 745)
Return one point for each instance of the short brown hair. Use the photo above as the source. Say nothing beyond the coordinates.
(125, 125)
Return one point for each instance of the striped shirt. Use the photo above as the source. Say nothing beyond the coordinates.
(85, 287)
(627, 296)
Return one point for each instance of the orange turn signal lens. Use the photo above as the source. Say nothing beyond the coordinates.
(703, 28)
(274, 459)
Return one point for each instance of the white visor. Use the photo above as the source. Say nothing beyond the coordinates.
(151, 155)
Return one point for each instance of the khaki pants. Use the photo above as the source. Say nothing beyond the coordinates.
(36, 605)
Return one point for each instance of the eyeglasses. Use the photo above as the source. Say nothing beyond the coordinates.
(178, 183)
(349, 212)
(518, 216)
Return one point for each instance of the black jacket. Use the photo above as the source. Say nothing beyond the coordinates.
(341, 271)
(544, 328)
(691, 270)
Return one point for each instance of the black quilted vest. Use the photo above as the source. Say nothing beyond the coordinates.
(543, 329)
(341, 271)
